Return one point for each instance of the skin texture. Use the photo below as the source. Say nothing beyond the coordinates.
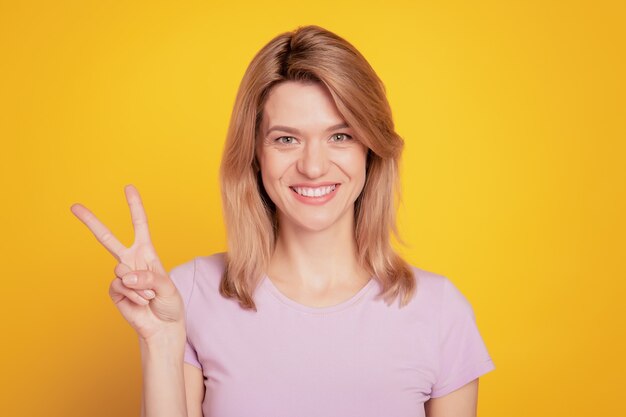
(194, 388)
(312, 149)
(313, 155)
(460, 403)
(310, 152)
(149, 301)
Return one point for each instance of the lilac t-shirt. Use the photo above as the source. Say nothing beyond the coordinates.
(358, 358)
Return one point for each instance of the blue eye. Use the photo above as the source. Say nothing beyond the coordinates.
(342, 137)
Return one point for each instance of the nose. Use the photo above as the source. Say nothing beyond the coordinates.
(313, 161)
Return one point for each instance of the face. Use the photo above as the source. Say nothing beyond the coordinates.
(312, 165)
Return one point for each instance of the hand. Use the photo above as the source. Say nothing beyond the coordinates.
(149, 313)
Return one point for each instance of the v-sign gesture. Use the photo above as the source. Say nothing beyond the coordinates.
(150, 303)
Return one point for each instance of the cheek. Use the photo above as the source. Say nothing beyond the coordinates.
(359, 166)
(273, 168)
(354, 163)
(269, 185)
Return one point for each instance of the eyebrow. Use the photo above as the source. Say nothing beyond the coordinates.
(297, 132)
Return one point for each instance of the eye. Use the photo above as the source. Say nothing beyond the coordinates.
(341, 137)
(286, 140)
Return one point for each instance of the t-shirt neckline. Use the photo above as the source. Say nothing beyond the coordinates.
(269, 286)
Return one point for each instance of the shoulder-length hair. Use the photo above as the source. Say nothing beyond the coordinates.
(311, 54)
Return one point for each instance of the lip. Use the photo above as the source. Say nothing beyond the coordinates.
(314, 185)
(315, 201)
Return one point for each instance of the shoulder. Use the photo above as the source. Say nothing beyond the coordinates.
(437, 292)
(428, 284)
(461, 355)
(201, 270)
(200, 265)
(210, 268)
(428, 279)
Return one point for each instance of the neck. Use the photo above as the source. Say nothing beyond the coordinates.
(317, 260)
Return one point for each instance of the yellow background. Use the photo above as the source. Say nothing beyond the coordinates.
(513, 114)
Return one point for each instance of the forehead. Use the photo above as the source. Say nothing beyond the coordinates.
(299, 104)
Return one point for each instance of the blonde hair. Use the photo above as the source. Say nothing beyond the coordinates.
(311, 54)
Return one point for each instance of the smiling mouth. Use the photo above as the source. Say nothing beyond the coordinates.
(314, 192)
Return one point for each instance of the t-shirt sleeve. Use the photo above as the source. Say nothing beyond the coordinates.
(183, 277)
(463, 355)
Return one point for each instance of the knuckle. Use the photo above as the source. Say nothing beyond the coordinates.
(116, 285)
(105, 237)
(140, 222)
(118, 270)
(139, 299)
(115, 288)
(150, 278)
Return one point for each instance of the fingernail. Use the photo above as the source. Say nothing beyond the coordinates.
(149, 293)
(130, 279)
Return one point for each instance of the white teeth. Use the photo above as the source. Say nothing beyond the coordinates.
(314, 192)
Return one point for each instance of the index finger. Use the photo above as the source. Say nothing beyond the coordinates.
(138, 214)
(102, 233)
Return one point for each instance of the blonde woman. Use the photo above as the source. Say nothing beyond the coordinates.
(310, 312)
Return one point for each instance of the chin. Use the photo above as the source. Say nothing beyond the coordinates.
(315, 224)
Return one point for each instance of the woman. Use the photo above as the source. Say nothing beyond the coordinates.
(310, 312)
